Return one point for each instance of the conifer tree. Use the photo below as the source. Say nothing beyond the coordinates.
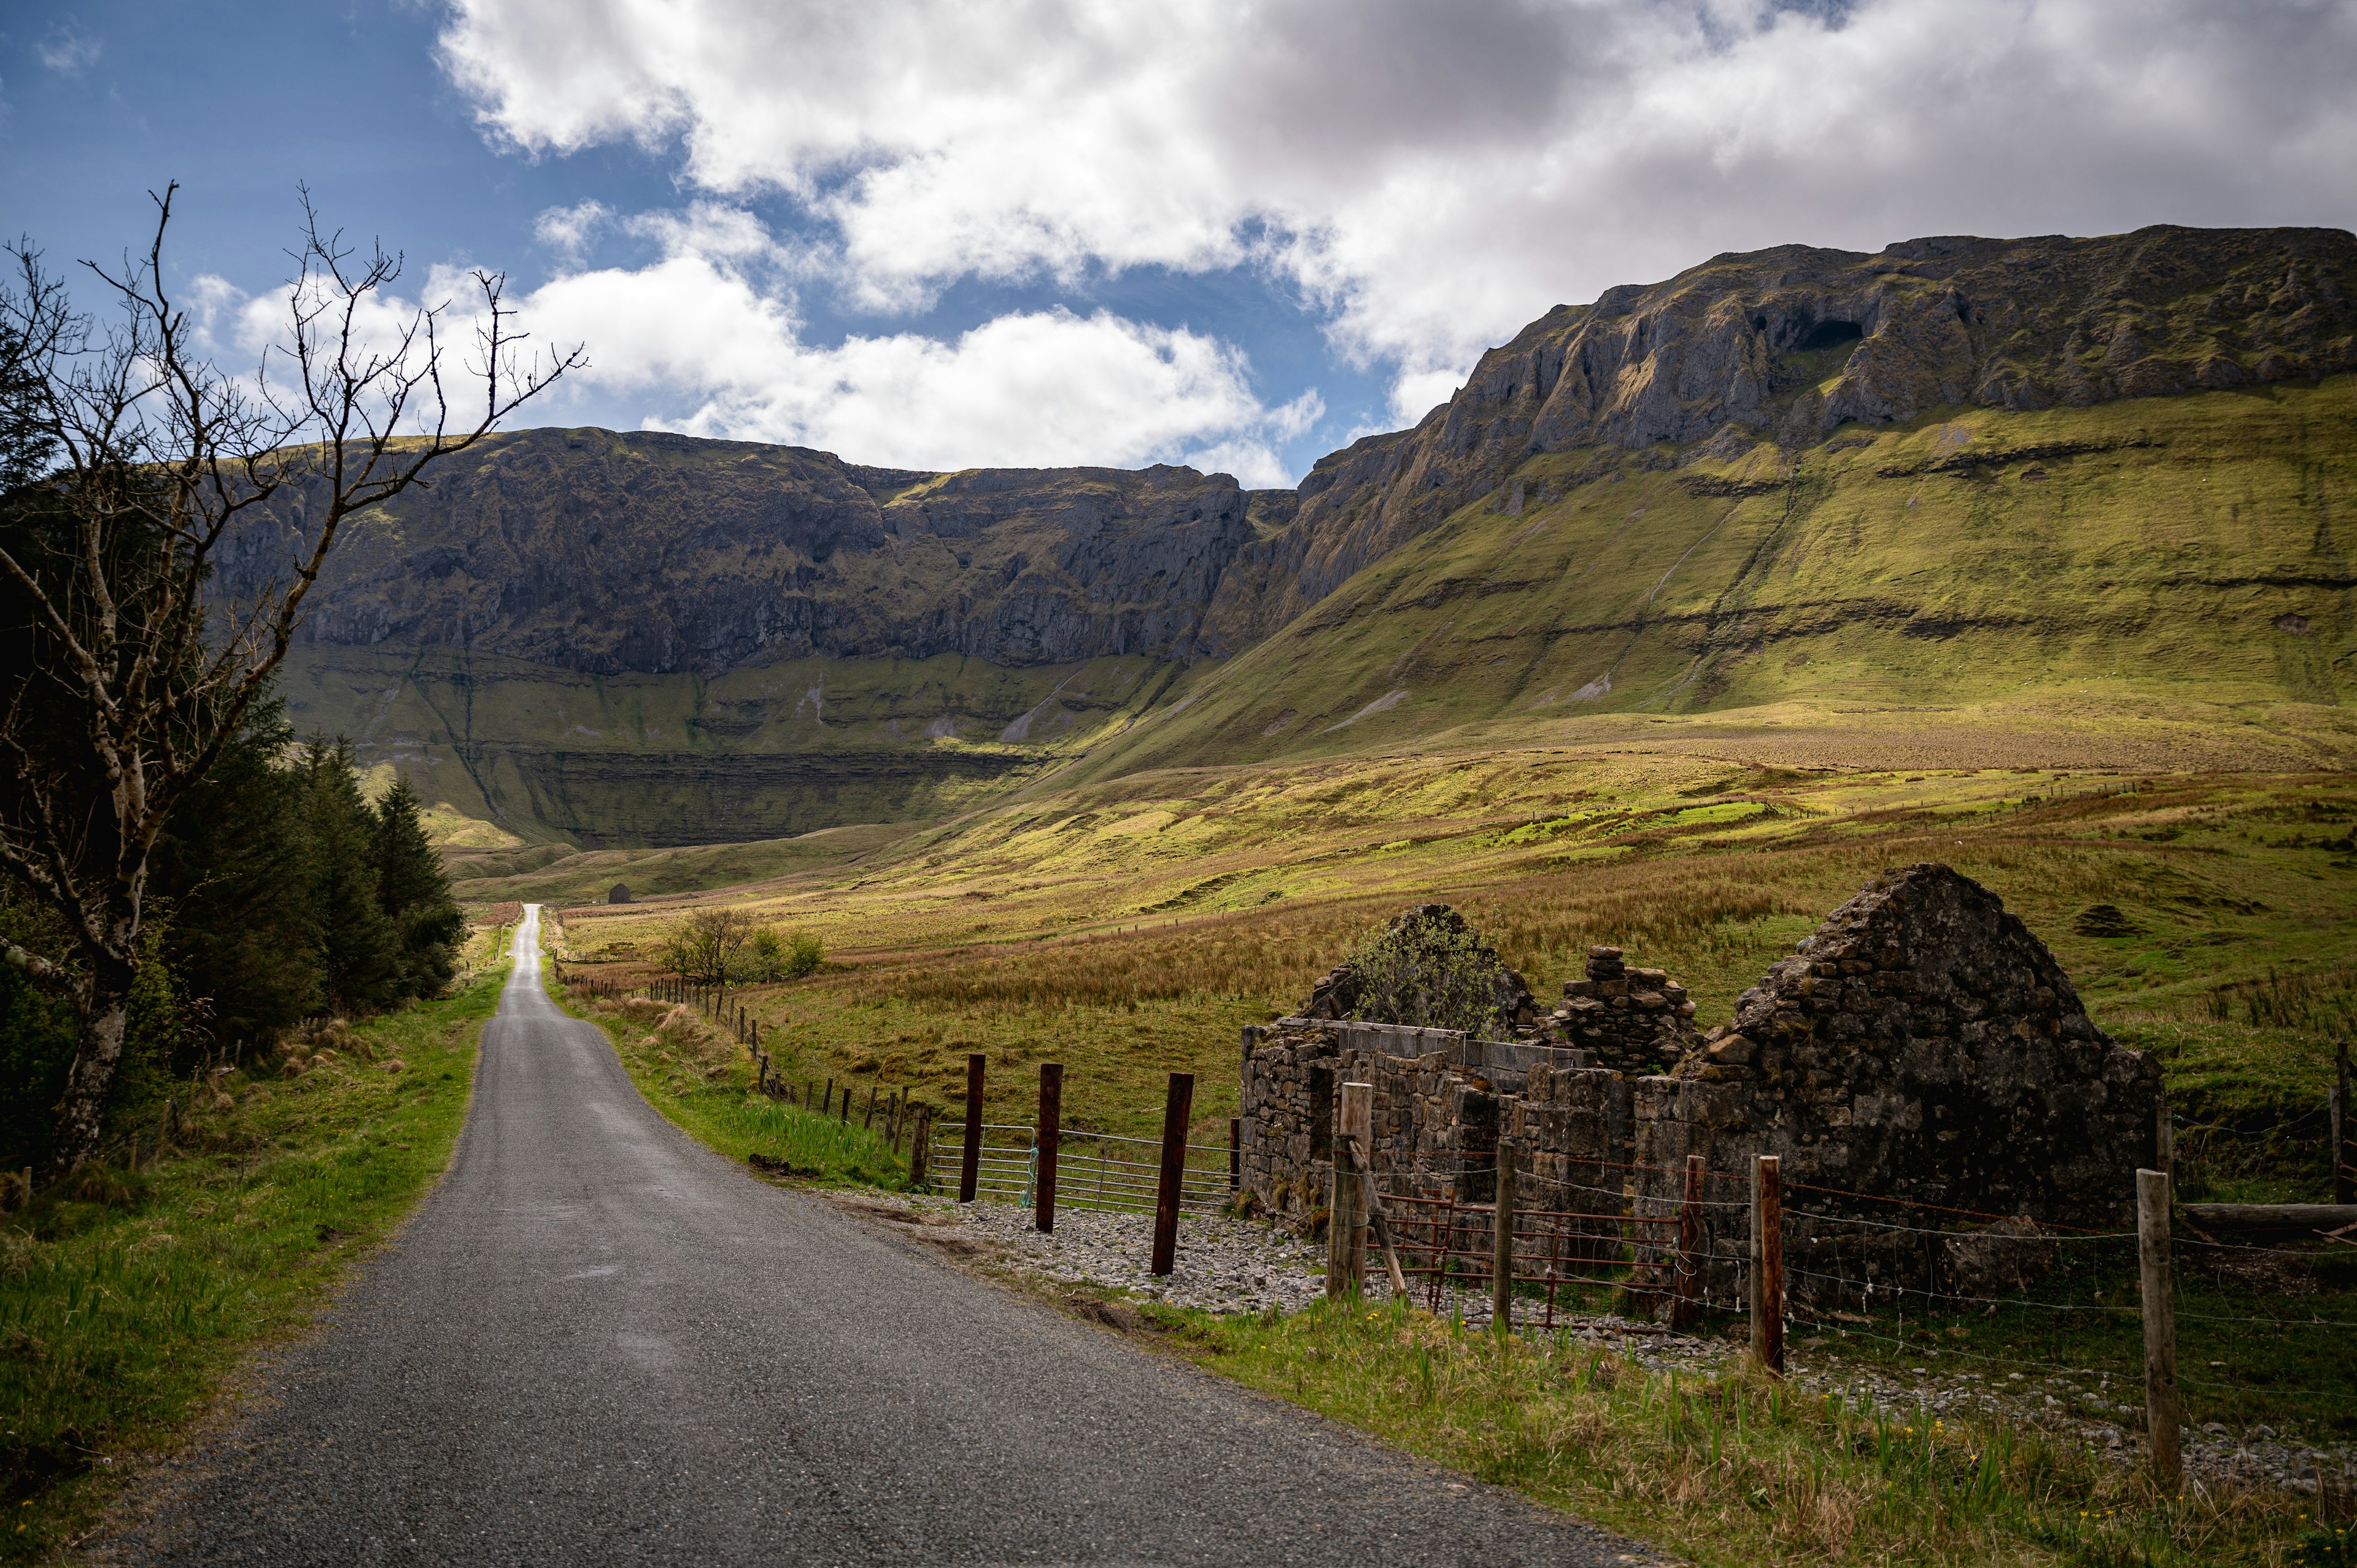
(415, 894)
(236, 866)
(359, 957)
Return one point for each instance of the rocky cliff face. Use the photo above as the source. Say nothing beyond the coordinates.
(649, 552)
(1792, 343)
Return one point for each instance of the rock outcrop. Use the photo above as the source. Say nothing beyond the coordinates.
(1789, 344)
(647, 552)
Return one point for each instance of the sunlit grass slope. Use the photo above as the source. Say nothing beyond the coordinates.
(2156, 556)
(1129, 929)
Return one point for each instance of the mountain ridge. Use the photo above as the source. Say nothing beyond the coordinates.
(627, 603)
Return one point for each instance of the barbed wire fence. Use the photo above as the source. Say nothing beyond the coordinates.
(1900, 1278)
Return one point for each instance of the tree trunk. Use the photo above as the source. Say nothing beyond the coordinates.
(98, 1054)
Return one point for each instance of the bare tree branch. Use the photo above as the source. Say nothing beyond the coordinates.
(139, 668)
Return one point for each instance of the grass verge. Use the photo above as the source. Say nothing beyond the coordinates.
(695, 1075)
(1733, 1469)
(127, 1299)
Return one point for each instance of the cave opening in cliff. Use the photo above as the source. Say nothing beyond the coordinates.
(1831, 334)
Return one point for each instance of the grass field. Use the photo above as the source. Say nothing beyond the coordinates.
(1129, 929)
(129, 1300)
(1734, 1468)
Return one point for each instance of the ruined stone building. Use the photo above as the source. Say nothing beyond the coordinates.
(1922, 1044)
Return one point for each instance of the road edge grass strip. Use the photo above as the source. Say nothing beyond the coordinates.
(699, 1080)
(130, 1302)
(1729, 1469)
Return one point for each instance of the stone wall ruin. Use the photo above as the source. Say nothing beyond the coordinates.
(1921, 1045)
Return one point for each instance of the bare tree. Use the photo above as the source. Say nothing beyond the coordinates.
(703, 947)
(145, 462)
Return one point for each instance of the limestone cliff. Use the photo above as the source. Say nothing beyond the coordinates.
(602, 553)
(1789, 344)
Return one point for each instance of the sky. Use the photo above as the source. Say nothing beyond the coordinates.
(1052, 231)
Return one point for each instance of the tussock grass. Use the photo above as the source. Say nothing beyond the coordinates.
(1129, 929)
(127, 1299)
(1732, 1468)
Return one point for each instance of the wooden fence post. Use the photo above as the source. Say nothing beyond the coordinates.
(920, 1152)
(2344, 1169)
(1050, 1137)
(1502, 1246)
(1346, 1224)
(2159, 1329)
(970, 1167)
(1176, 1113)
(1684, 1304)
(1768, 1263)
(1358, 1127)
(868, 1119)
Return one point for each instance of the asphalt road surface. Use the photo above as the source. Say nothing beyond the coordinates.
(599, 1342)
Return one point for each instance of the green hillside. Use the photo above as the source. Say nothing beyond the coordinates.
(2021, 502)
(2148, 557)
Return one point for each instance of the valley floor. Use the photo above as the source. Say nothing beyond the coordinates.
(1130, 929)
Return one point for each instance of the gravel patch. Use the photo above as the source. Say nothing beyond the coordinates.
(1224, 1265)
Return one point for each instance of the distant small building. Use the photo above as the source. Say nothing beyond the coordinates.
(619, 894)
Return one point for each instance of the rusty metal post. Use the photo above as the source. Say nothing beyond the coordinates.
(1768, 1263)
(1685, 1304)
(1176, 1112)
(1235, 1154)
(1050, 1137)
(970, 1167)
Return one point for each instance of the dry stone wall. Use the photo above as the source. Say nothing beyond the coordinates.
(1921, 1045)
(1633, 1020)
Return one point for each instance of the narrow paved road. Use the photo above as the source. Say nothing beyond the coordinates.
(598, 1342)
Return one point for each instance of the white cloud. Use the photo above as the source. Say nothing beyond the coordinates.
(569, 230)
(1433, 176)
(708, 335)
(67, 50)
(698, 329)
